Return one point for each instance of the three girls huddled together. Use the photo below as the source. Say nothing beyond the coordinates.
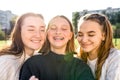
(98, 59)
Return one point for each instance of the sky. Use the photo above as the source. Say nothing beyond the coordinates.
(51, 8)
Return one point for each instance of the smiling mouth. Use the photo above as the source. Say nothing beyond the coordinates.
(56, 38)
(36, 41)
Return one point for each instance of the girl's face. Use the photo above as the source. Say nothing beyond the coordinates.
(90, 36)
(59, 33)
(33, 33)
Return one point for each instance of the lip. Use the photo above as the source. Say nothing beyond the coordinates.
(85, 45)
(36, 41)
(58, 38)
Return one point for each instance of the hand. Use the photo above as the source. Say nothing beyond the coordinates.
(33, 78)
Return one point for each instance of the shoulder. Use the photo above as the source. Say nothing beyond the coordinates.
(7, 63)
(80, 64)
(113, 58)
(34, 59)
(114, 53)
(82, 70)
(7, 58)
(111, 67)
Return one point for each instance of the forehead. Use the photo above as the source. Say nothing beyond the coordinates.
(89, 26)
(33, 22)
(59, 21)
(31, 19)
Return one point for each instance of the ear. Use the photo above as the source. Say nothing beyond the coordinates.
(103, 36)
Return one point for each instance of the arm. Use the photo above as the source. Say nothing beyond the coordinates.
(111, 68)
(7, 69)
(85, 74)
(83, 71)
(25, 72)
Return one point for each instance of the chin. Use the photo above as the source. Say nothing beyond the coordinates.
(35, 48)
(86, 50)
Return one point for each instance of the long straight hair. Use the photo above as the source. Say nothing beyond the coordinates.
(105, 46)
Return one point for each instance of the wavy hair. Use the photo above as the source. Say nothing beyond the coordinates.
(17, 46)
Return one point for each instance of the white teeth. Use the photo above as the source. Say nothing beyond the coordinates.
(36, 41)
(56, 38)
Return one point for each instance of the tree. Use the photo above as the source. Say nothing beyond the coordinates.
(75, 18)
(117, 33)
(12, 23)
(118, 17)
(2, 34)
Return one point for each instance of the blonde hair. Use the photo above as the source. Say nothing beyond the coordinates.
(70, 45)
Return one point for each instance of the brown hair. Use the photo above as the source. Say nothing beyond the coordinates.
(70, 45)
(17, 46)
(105, 46)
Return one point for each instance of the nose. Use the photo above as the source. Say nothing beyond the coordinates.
(83, 39)
(37, 33)
(58, 31)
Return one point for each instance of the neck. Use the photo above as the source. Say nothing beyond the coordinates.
(29, 52)
(92, 56)
(58, 51)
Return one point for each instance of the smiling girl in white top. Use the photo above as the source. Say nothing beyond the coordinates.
(96, 47)
(28, 35)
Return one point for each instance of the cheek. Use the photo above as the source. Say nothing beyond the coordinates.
(79, 39)
(69, 35)
(97, 41)
(49, 36)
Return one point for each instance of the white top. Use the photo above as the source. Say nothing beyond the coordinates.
(92, 64)
(111, 67)
(10, 66)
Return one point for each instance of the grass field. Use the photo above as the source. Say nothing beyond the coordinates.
(117, 45)
(5, 43)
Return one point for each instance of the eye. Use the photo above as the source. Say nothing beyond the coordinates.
(42, 30)
(30, 29)
(52, 28)
(79, 35)
(64, 29)
(91, 35)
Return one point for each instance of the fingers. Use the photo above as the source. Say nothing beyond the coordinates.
(33, 78)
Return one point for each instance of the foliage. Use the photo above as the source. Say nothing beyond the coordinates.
(75, 20)
(12, 23)
(116, 42)
(2, 35)
(117, 31)
(114, 18)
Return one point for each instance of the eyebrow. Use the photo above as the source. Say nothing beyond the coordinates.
(88, 32)
(91, 31)
(43, 26)
(32, 26)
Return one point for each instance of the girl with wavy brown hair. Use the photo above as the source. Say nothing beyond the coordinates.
(95, 37)
(27, 36)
